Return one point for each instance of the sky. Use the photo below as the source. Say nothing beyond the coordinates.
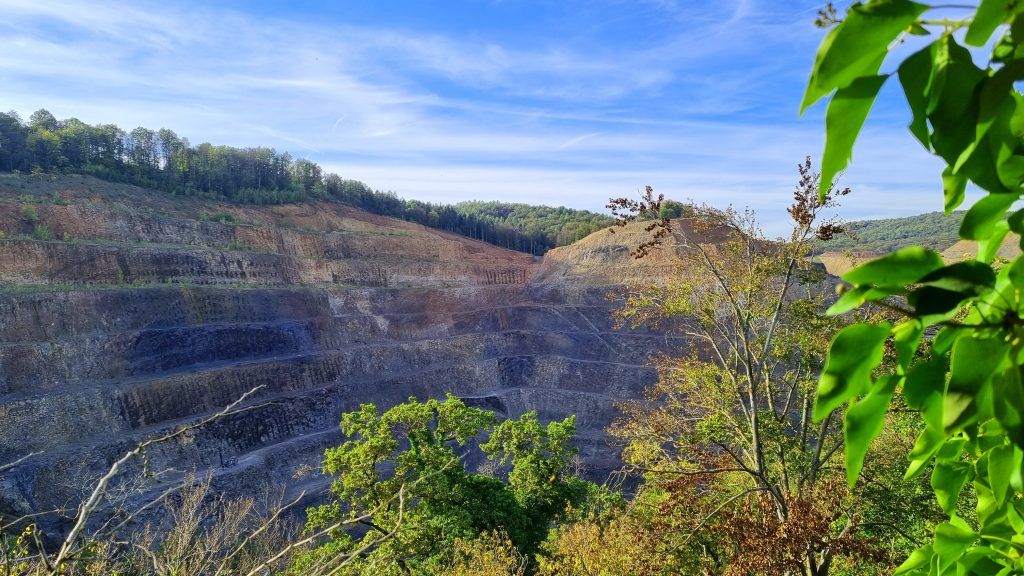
(559, 102)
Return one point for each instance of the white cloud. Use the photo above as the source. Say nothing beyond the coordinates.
(703, 107)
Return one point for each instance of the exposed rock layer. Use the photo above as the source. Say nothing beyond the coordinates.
(137, 315)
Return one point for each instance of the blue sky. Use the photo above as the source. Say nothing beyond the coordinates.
(560, 102)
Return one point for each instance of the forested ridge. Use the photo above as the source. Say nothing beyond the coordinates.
(164, 161)
(934, 230)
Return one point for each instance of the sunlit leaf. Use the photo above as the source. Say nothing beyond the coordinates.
(990, 14)
(898, 268)
(863, 422)
(915, 76)
(854, 353)
(989, 247)
(948, 480)
(928, 442)
(845, 117)
(972, 364)
(970, 277)
(854, 297)
(1003, 461)
(1009, 410)
(952, 539)
(919, 560)
(906, 337)
(954, 188)
(858, 45)
(979, 222)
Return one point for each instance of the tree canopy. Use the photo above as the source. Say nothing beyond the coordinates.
(402, 474)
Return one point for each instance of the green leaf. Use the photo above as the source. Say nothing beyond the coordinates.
(915, 76)
(850, 299)
(1017, 477)
(979, 222)
(952, 539)
(933, 304)
(953, 105)
(1016, 221)
(855, 351)
(1003, 461)
(946, 337)
(993, 103)
(983, 560)
(973, 362)
(951, 449)
(989, 247)
(1015, 273)
(863, 422)
(854, 297)
(948, 480)
(954, 188)
(919, 560)
(925, 382)
(927, 444)
(845, 117)
(906, 337)
(897, 269)
(1009, 409)
(918, 30)
(857, 46)
(970, 277)
(990, 14)
(944, 289)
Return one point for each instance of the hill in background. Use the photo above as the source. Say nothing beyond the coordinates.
(871, 238)
(160, 160)
(934, 230)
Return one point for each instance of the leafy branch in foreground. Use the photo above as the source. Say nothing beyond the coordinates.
(968, 388)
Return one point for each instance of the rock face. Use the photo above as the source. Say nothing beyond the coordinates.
(125, 314)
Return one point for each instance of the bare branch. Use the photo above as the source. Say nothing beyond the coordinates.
(99, 491)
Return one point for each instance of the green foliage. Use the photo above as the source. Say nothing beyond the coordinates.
(220, 217)
(30, 214)
(41, 232)
(401, 472)
(933, 230)
(968, 390)
(545, 227)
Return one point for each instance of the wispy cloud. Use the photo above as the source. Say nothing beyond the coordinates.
(563, 102)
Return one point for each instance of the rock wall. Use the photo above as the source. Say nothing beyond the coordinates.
(139, 315)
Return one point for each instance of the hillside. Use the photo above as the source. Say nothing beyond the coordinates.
(872, 238)
(162, 161)
(934, 230)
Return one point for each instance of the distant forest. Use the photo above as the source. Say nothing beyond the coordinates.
(161, 160)
(934, 230)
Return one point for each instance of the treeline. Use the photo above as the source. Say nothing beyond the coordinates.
(934, 230)
(164, 161)
(557, 226)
